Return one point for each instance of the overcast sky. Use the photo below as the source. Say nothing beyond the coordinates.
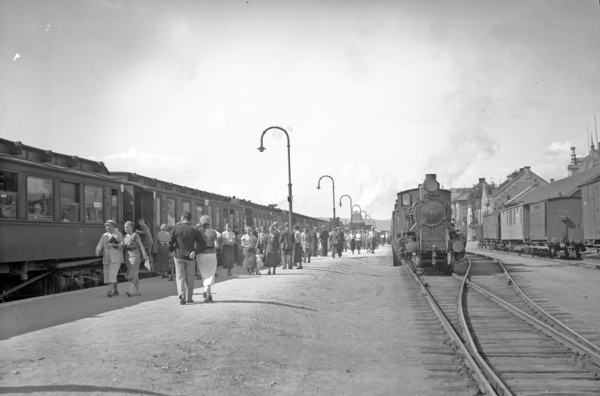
(372, 93)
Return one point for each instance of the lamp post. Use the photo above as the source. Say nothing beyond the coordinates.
(350, 198)
(359, 208)
(333, 183)
(277, 135)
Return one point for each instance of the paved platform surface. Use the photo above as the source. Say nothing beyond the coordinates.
(337, 327)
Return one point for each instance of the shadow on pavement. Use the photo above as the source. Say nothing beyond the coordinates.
(34, 314)
(74, 389)
(262, 302)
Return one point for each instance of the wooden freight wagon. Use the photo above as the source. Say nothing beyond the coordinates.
(514, 223)
(591, 211)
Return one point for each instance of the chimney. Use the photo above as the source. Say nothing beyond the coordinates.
(482, 180)
(551, 180)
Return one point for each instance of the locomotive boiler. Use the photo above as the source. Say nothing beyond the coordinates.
(429, 238)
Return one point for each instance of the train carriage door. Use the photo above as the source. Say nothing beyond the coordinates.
(144, 208)
(128, 203)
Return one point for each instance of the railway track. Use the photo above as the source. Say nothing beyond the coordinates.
(511, 345)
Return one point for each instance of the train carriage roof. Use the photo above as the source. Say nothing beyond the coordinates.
(567, 187)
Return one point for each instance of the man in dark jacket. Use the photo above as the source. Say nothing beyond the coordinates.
(324, 236)
(286, 240)
(335, 238)
(186, 242)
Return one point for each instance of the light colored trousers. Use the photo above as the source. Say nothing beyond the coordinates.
(185, 270)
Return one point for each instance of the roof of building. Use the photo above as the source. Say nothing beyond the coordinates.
(516, 176)
(459, 194)
(561, 188)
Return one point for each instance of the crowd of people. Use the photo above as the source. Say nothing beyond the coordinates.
(194, 252)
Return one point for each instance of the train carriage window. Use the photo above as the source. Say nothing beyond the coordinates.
(40, 198)
(93, 204)
(170, 212)
(114, 204)
(158, 212)
(199, 212)
(231, 213)
(69, 202)
(187, 206)
(9, 189)
(225, 217)
(209, 212)
(217, 218)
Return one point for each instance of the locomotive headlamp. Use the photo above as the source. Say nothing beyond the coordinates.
(431, 185)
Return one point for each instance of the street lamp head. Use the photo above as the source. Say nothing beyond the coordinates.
(261, 149)
(318, 187)
(340, 204)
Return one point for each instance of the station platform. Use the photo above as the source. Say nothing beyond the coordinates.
(338, 326)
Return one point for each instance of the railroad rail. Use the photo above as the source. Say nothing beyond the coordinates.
(517, 347)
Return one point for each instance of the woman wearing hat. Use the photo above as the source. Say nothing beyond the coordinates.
(112, 256)
(207, 259)
(133, 245)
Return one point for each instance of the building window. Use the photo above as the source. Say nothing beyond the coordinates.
(40, 198)
(93, 204)
(69, 202)
(9, 189)
(158, 212)
(187, 206)
(170, 212)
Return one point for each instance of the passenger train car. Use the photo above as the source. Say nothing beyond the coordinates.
(53, 208)
(422, 220)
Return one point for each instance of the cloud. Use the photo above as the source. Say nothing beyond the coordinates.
(137, 159)
(558, 149)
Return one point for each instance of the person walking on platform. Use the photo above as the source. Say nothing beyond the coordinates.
(278, 234)
(315, 242)
(187, 242)
(372, 241)
(358, 238)
(271, 258)
(297, 247)
(335, 241)
(307, 245)
(112, 256)
(352, 242)
(324, 237)
(228, 249)
(163, 256)
(146, 236)
(260, 249)
(207, 259)
(287, 246)
(249, 242)
(133, 245)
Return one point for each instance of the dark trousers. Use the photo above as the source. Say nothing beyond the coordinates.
(324, 248)
(336, 248)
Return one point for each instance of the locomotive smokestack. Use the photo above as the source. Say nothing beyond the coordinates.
(430, 176)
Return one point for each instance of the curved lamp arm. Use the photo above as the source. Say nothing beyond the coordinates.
(333, 183)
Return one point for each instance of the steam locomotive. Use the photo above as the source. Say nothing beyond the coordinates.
(422, 223)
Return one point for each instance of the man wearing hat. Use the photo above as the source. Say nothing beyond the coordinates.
(112, 255)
